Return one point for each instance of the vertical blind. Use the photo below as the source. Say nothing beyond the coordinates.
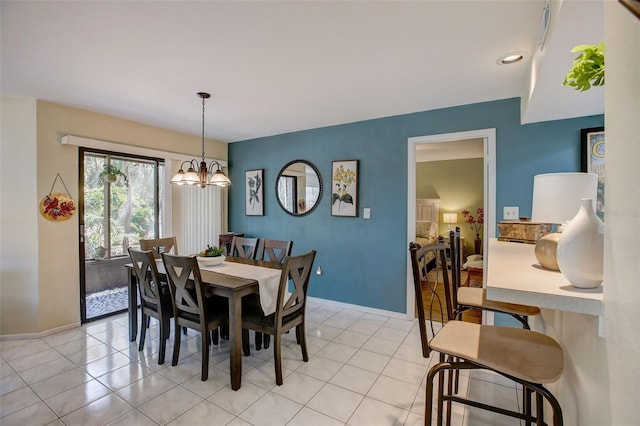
(201, 218)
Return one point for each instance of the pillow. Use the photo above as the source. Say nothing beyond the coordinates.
(426, 229)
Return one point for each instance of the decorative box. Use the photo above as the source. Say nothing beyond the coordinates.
(522, 231)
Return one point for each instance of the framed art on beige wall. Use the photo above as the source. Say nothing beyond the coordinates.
(344, 188)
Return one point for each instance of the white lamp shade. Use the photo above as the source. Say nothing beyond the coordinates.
(450, 218)
(556, 196)
(220, 179)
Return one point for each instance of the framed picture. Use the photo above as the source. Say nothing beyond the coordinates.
(592, 160)
(344, 188)
(254, 192)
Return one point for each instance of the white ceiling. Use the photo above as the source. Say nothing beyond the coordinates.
(276, 67)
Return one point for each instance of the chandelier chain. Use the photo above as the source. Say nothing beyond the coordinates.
(203, 98)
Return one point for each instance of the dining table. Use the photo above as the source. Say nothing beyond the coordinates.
(233, 283)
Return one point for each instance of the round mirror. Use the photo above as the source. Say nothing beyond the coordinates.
(299, 187)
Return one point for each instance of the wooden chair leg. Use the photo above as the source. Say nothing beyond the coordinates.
(245, 342)
(266, 338)
(214, 336)
(302, 339)
(163, 345)
(176, 345)
(258, 341)
(277, 356)
(204, 375)
(143, 332)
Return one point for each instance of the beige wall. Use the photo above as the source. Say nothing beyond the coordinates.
(622, 233)
(55, 246)
(459, 184)
(18, 216)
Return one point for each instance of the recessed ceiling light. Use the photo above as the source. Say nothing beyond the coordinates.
(510, 58)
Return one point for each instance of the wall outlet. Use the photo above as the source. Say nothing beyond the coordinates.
(510, 213)
(319, 270)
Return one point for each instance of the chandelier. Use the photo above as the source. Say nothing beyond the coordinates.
(201, 178)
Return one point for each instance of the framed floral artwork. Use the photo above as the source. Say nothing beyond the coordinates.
(254, 192)
(592, 159)
(344, 188)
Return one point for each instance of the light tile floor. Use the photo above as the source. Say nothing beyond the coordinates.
(364, 369)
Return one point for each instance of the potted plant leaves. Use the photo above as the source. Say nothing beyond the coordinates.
(211, 256)
(110, 173)
(588, 67)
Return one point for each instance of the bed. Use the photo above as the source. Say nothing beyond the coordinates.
(427, 215)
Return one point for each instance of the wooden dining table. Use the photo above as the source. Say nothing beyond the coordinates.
(232, 287)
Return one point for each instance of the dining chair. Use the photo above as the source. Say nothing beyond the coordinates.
(274, 250)
(159, 245)
(244, 247)
(527, 357)
(190, 306)
(155, 298)
(290, 309)
(271, 251)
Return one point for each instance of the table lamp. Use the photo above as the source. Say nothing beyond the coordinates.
(556, 199)
(450, 219)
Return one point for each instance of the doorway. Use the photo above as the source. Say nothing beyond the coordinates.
(120, 203)
(488, 137)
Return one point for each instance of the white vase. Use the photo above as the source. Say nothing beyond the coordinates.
(581, 248)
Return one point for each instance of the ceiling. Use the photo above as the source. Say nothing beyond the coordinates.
(277, 67)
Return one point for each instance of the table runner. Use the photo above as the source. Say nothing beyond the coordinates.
(268, 280)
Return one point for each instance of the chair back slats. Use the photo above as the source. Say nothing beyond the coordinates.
(454, 249)
(274, 250)
(244, 247)
(159, 246)
(296, 269)
(180, 271)
(146, 271)
(421, 266)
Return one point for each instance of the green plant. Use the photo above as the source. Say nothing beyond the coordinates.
(211, 251)
(111, 172)
(588, 67)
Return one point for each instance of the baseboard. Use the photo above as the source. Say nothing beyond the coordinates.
(366, 309)
(359, 308)
(26, 336)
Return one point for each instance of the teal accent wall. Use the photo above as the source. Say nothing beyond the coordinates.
(364, 261)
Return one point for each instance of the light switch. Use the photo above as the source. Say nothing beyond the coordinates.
(366, 213)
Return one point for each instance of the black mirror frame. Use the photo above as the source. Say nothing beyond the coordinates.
(315, 169)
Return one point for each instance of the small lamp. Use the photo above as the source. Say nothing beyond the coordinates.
(450, 219)
(556, 199)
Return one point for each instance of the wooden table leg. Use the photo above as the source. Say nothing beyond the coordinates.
(235, 341)
(133, 306)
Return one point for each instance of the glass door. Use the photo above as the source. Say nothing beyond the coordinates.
(120, 204)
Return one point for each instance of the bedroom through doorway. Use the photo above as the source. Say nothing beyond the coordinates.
(450, 173)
